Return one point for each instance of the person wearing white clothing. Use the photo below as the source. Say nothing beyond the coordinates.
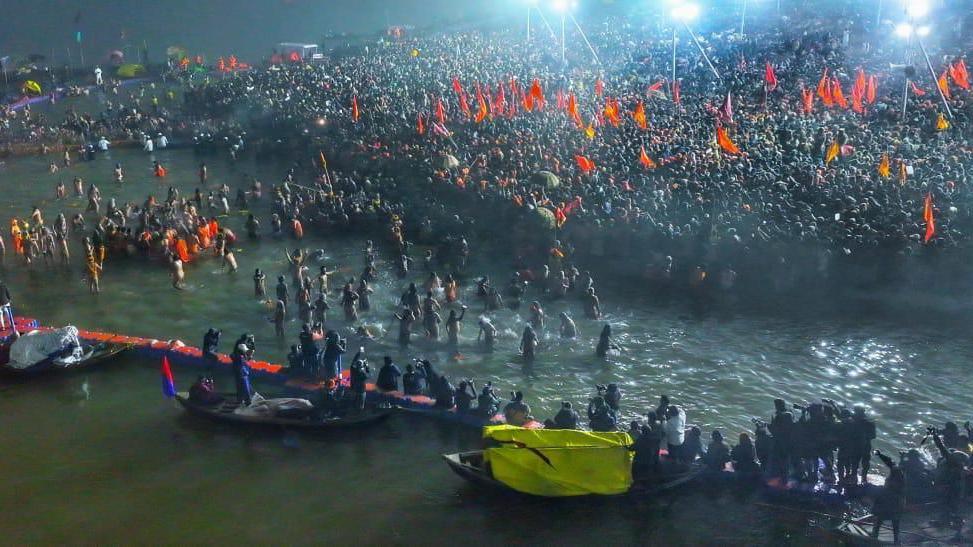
(149, 145)
(103, 144)
(98, 80)
(675, 428)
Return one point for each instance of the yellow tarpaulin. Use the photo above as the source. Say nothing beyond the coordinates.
(130, 70)
(32, 88)
(559, 463)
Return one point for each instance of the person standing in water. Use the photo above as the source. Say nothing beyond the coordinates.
(488, 333)
(528, 344)
(605, 343)
(259, 284)
(280, 313)
(453, 325)
(568, 328)
(405, 326)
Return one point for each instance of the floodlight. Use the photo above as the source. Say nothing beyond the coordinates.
(917, 8)
(685, 13)
(924, 30)
(903, 30)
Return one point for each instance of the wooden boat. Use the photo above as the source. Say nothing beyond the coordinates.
(97, 354)
(469, 465)
(912, 532)
(226, 412)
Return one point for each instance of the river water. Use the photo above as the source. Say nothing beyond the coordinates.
(101, 456)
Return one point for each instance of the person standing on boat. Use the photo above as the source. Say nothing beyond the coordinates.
(359, 374)
(334, 347)
(413, 383)
(309, 350)
(890, 502)
(388, 376)
(241, 371)
(781, 430)
(6, 310)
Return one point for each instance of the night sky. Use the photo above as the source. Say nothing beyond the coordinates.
(247, 28)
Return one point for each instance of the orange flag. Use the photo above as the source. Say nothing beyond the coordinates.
(645, 160)
(832, 153)
(611, 112)
(824, 89)
(420, 126)
(807, 100)
(885, 167)
(903, 173)
(942, 124)
(355, 114)
(464, 106)
(573, 110)
(677, 92)
(837, 94)
(537, 94)
(960, 76)
(858, 92)
(590, 131)
(944, 85)
(481, 111)
(440, 111)
(927, 215)
(656, 86)
(639, 116)
(916, 90)
(724, 141)
(872, 89)
(584, 163)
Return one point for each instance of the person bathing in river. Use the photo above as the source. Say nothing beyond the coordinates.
(528, 344)
(487, 334)
(453, 324)
(363, 291)
(568, 328)
(349, 303)
(411, 300)
(406, 319)
(592, 306)
(280, 314)
(605, 343)
(259, 284)
(536, 318)
(178, 274)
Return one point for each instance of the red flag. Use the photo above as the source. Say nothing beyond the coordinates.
(770, 77)
(824, 89)
(440, 111)
(676, 96)
(599, 87)
(355, 114)
(645, 160)
(537, 94)
(927, 216)
(562, 101)
(724, 141)
(944, 85)
(482, 110)
(960, 76)
(575, 203)
(639, 116)
(457, 87)
(858, 92)
(464, 106)
(872, 89)
(500, 102)
(837, 94)
(918, 91)
(807, 100)
(584, 163)
(559, 217)
(726, 110)
(656, 86)
(573, 110)
(168, 385)
(420, 126)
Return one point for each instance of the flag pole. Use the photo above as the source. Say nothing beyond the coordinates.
(703, 51)
(585, 38)
(932, 72)
(905, 98)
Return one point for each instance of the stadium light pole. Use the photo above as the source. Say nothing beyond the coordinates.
(531, 4)
(680, 13)
(563, 7)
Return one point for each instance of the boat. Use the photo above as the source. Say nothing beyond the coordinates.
(85, 357)
(227, 411)
(923, 532)
(470, 466)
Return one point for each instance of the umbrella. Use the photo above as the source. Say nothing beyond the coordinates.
(546, 179)
(31, 87)
(546, 217)
(446, 161)
(130, 70)
(116, 57)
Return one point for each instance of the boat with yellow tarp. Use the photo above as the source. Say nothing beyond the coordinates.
(555, 463)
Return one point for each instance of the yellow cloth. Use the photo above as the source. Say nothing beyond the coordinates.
(560, 463)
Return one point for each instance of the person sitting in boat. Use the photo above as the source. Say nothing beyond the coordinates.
(444, 392)
(211, 344)
(388, 376)
(517, 412)
(601, 416)
(744, 456)
(465, 395)
(413, 382)
(566, 418)
(692, 446)
(203, 392)
(613, 396)
(675, 427)
(890, 502)
(918, 478)
(295, 362)
(717, 453)
(488, 403)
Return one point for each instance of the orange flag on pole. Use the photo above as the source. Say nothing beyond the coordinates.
(960, 76)
(927, 215)
(725, 143)
(440, 111)
(837, 95)
(885, 167)
(355, 114)
(573, 110)
(832, 153)
(482, 110)
(645, 160)
(537, 94)
(807, 100)
(944, 85)
(871, 89)
(584, 163)
(824, 89)
(420, 126)
(639, 116)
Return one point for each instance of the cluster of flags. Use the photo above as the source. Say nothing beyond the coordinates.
(864, 90)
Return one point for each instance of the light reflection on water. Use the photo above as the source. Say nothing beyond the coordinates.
(723, 371)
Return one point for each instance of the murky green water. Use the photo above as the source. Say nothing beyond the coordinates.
(101, 457)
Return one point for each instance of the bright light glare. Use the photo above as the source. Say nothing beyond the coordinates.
(562, 6)
(903, 30)
(531, 2)
(685, 12)
(924, 30)
(917, 8)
